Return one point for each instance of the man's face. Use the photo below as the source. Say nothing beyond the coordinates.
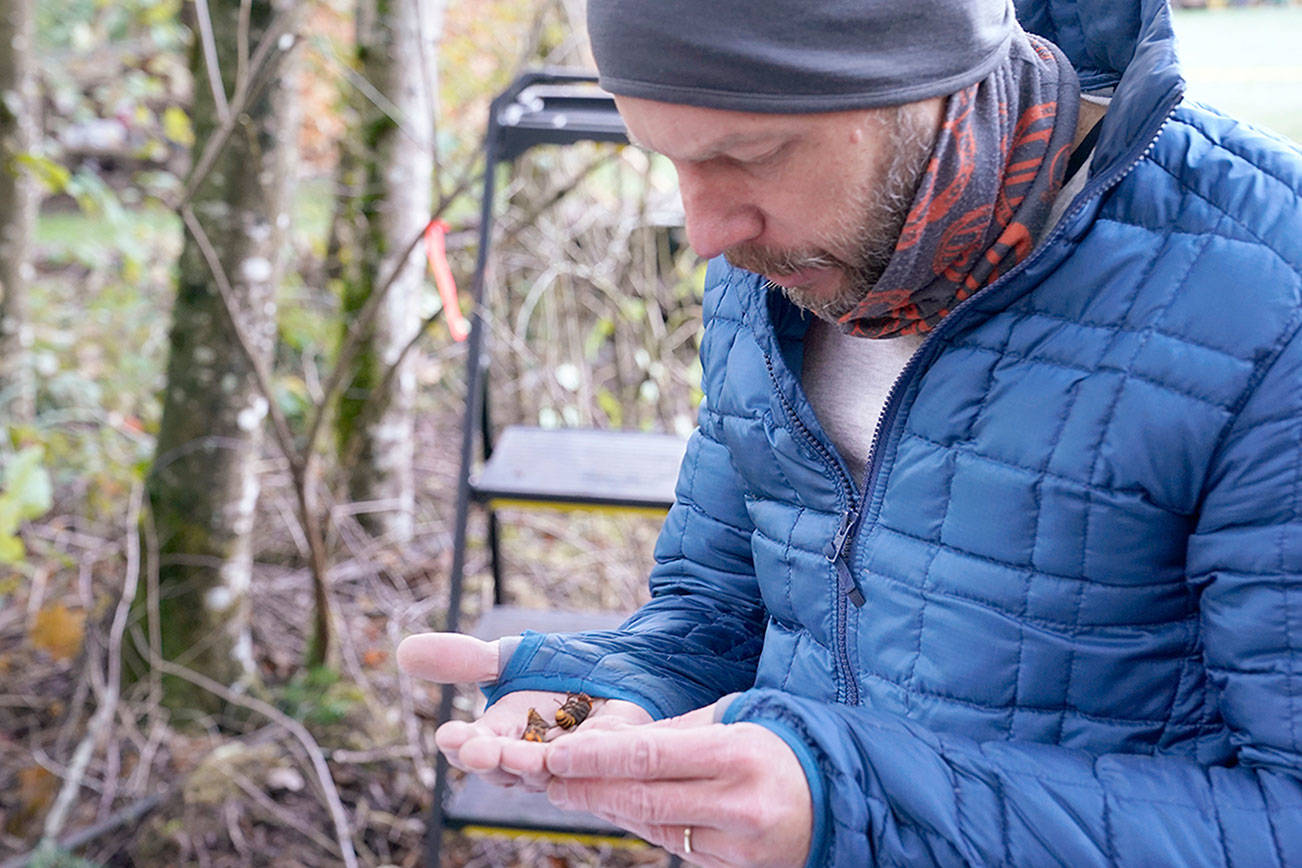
(814, 202)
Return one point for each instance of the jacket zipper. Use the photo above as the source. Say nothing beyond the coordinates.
(891, 407)
(840, 549)
(836, 550)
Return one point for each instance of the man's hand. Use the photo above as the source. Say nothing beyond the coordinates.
(738, 787)
(491, 746)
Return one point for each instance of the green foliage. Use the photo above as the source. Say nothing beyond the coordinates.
(99, 346)
(110, 70)
(25, 494)
(177, 126)
(51, 175)
(51, 856)
(320, 697)
(78, 25)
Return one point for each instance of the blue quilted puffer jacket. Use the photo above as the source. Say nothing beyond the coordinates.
(1060, 620)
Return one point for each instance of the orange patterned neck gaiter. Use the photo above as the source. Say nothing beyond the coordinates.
(986, 195)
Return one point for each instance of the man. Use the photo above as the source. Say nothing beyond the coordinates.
(1037, 602)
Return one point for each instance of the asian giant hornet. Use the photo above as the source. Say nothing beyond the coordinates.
(536, 728)
(574, 710)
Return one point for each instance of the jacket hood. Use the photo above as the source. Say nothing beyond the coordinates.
(1124, 44)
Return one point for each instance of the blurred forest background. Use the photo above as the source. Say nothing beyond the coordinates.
(231, 399)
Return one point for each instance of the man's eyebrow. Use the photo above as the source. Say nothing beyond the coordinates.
(719, 146)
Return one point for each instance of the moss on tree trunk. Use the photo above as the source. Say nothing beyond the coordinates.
(19, 196)
(392, 177)
(203, 485)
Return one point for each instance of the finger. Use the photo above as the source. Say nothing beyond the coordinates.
(642, 753)
(524, 759)
(481, 754)
(448, 658)
(452, 752)
(499, 778)
(672, 839)
(453, 734)
(639, 802)
(676, 840)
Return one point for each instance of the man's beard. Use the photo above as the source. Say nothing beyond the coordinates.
(870, 226)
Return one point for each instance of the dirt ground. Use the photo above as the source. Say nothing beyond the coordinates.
(243, 789)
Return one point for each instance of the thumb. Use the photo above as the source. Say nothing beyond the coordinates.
(448, 658)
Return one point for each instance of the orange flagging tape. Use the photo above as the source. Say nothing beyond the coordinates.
(437, 254)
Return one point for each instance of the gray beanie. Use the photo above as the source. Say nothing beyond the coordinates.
(786, 56)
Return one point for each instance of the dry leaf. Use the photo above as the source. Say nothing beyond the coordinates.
(36, 790)
(374, 657)
(59, 631)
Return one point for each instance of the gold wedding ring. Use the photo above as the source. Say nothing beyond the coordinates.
(687, 840)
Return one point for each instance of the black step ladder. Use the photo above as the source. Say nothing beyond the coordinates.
(536, 467)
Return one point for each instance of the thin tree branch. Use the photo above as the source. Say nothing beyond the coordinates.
(264, 65)
(513, 232)
(296, 729)
(302, 466)
(226, 293)
(99, 724)
(391, 371)
(288, 820)
(431, 36)
(203, 16)
(366, 88)
(242, 43)
(129, 814)
(362, 322)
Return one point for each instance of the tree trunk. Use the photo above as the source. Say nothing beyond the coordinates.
(393, 181)
(203, 485)
(19, 196)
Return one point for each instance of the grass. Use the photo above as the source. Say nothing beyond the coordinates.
(1244, 61)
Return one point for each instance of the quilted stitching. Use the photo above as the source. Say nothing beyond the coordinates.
(1081, 556)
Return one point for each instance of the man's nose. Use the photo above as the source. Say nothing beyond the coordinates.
(718, 216)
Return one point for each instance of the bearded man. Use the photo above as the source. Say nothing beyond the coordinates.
(988, 548)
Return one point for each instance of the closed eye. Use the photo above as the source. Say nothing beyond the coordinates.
(767, 158)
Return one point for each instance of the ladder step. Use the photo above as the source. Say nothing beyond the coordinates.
(502, 621)
(476, 802)
(579, 466)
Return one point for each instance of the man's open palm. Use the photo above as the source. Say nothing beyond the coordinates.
(491, 746)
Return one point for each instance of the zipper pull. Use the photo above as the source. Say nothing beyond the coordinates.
(845, 582)
(835, 553)
(832, 550)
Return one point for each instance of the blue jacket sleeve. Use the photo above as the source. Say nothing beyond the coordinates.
(891, 792)
(888, 792)
(700, 635)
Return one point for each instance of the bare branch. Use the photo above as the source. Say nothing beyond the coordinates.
(284, 437)
(99, 724)
(430, 18)
(242, 43)
(365, 316)
(204, 17)
(366, 89)
(129, 814)
(288, 820)
(296, 729)
(385, 387)
(264, 66)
